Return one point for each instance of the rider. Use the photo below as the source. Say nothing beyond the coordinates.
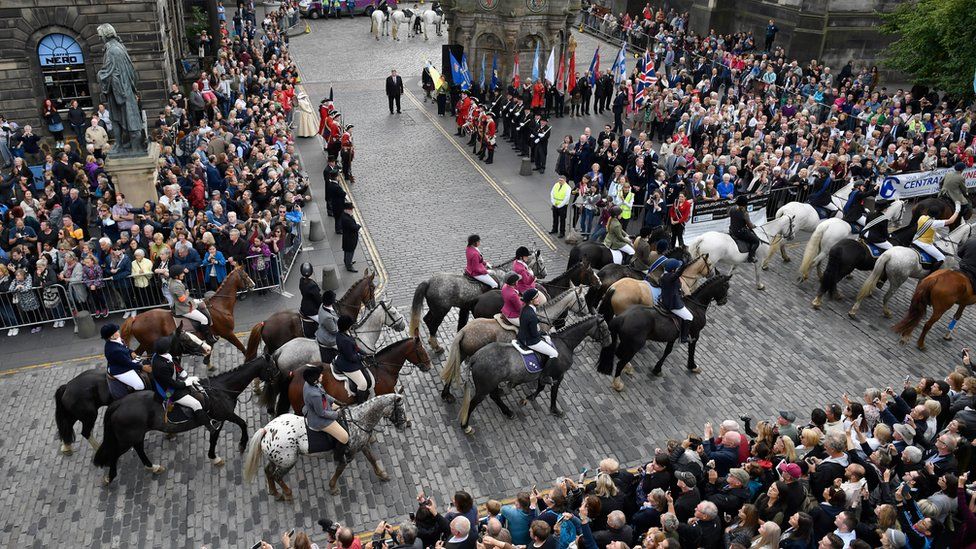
(122, 362)
(529, 335)
(177, 383)
(967, 259)
(875, 231)
(320, 411)
(642, 251)
(820, 197)
(416, 20)
(349, 360)
(616, 238)
(656, 269)
(741, 227)
(521, 267)
(311, 300)
(954, 186)
(477, 267)
(184, 305)
(511, 299)
(671, 296)
(924, 238)
(328, 320)
(854, 208)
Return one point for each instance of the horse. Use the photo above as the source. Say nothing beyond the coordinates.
(283, 326)
(941, 289)
(901, 262)
(127, 420)
(629, 291)
(483, 331)
(613, 272)
(832, 231)
(427, 17)
(444, 291)
(806, 218)
(490, 303)
(384, 366)
(498, 363)
(285, 438)
(148, 326)
(80, 398)
(722, 248)
(599, 255)
(394, 19)
(640, 323)
(843, 259)
(379, 24)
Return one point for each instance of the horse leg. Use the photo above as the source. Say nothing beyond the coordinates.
(893, 285)
(667, 351)
(272, 486)
(466, 425)
(464, 313)
(377, 467)
(433, 319)
(141, 451)
(496, 396)
(538, 389)
(692, 367)
(212, 450)
(333, 489)
(955, 320)
(937, 313)
(625, 353)
(87, 426)
(759, 284)
(283, 403)
(553, 395)
(229, 336)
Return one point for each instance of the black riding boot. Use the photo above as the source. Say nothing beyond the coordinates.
(545, 378)
(340, 453)
(203, 419)
(685, 330)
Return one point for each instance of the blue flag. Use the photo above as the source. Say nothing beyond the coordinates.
(535, 63)
(457, 77)
(465, 73)
(481, 83)
(494, 71)
(595, 66)
(619, 68)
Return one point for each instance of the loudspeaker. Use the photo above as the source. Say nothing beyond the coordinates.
(446, 51)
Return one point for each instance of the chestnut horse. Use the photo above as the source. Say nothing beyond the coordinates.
(941, 289)
(283, 326)
(151, 325)
(385, 367)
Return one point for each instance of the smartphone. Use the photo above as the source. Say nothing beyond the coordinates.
(256, 545)
(291, 533)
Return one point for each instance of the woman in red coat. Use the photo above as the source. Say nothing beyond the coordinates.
(680, 214)
(476, 267)
(538, 96)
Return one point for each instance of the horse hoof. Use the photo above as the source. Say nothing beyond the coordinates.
(557, 412)
(469, 430)
(656, 373)
(279, 497)
(617, 385)
(765, 267)
(156, 469)
(921, 347)
(334, 490)
(448, 398)
(383, 476)
(628, 369)
(852, 315)
(947, 337)
(886, 313)
(288, 497)
(523, 402)
(67, 450)
(695, 370)
(902, 341)
(816, 304)
(217, 461)
(786, 260)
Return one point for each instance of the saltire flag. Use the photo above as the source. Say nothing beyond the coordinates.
(494, 71)
(595, 66)
(481, 83)
(619, 68)
(571, 77)
(465, 73)
(551, 66)
(515, 71)
(535, 62)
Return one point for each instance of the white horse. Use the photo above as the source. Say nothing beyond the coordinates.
(397, 18)
(833, 230)
(379, 24)
(807, 218)
(901, 263)
(722, 248)
(428, 17)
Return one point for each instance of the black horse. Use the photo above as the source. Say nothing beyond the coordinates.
(843, 259)
(129, 419)
(490, 302)
(640, 323)
(82, 397)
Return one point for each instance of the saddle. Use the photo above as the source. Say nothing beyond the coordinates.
(502, 321)
(484, 287)
(348, 384)
(189, 325)
(320, 441)
(618, 256)
(872, 249)
(926, 260)
(408, 13)
(666, 313)
(532, 359)
(742, 245)
(176, 414)
(117, 389)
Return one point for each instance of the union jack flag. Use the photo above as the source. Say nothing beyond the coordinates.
(646, 78)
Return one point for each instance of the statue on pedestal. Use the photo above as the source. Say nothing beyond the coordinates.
(118, 80)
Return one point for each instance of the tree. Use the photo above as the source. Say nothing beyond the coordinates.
(935, 44)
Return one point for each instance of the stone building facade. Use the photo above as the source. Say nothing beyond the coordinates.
(50, 48)
(504, 27)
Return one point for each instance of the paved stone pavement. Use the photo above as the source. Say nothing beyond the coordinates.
(420, 198)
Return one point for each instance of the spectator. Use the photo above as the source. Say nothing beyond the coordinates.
(214, 268)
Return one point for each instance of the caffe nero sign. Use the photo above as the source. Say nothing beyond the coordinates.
(56, 50)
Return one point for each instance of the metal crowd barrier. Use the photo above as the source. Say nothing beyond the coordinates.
(39, 305)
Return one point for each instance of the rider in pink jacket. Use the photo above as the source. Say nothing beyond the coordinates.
(476, 266)
(511, 299)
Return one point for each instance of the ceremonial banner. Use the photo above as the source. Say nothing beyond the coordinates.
(714, 216)
(910, 185)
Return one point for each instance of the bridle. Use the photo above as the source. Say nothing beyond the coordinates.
(789, 234)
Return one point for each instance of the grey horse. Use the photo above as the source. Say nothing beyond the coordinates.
(444, 291)
(286, 437)
(498, 363)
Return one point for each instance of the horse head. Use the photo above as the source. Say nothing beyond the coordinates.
(268, 368)
(418, 356)
(394, 319)
(538, 265)
(579, 307)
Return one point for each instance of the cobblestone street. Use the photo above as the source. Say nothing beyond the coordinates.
(420, 197)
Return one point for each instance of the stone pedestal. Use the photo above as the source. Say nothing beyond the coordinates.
(135, 176)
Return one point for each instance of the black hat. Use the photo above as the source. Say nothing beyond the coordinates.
(328, 297)
(512, 278)
(108, 330)
(960, 166)
(529, 295)
(522, 251)
(311, 374)
(741, 200)
(345, 322)
(162, 345)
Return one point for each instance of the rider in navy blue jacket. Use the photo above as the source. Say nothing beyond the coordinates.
(120, 359)
(671, 296)
(349, 360)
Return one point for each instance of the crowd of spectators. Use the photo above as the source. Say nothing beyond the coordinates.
(230, 190)
(725, 117)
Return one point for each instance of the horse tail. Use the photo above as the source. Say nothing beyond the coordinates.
(606, 305)
(920, 300)
(253, 341)
(831, 275)
(63, 418)
(879, 269)
(417, 307)
(252, 456)
(605, 364)
(812, 249)
(126, 330)
(110, 449)
(451, 373)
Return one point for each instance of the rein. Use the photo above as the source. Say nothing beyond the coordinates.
(765, 232)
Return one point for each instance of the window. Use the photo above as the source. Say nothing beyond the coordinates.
(63, 70)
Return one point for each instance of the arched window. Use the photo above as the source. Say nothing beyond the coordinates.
(62, 64)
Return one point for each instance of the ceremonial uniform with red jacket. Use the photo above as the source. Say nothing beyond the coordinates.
(463, 109)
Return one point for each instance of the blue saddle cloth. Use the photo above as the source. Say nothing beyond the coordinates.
(875, 251)
(655, 291)
(319, 441)
(530, 358)
(923, 256)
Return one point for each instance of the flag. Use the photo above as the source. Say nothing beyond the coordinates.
(465, 73)
(595, 66)
(435, 75)
(481, 83)
(457, 77)
(560, 77)
(515, 72)
(535, 62)
(646, 78)
(619, 68)
(551, 66)
(494, 71)
(571, 77)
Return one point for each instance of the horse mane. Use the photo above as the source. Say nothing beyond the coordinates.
(390, 347)
(577, 323)
(228, 373)
(224, 282)
(353, 287)
(567, 274)
(708, 283)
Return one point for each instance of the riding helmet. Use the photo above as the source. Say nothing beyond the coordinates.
(529, 295)
(162, 345)
(521, 252)
(741, 200)
(306, 269)
(311, 374)
(661, 246)
(512, 278)
(108, 330)
(176, 270)
(345, 322)
(328, 298)
(960, 166)
(672, 265)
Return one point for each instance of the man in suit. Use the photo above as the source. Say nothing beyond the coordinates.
(394, 89)
(350, 236)
(336, 197)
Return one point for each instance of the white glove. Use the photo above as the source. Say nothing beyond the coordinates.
(192, 380)
(958, 207)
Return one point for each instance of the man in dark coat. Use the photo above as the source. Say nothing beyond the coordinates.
(336, 199)
(619, 104)
(394, 89)
(350, 236)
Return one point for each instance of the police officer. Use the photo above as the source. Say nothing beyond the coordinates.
(311, 300)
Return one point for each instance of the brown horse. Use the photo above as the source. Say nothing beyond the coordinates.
(283, 326)
(628, 291)
(151, 325)
(385, 367)
(941, 289)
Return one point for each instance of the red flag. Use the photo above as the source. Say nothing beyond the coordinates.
(560, 84)
(572, 72)
(515, 72)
